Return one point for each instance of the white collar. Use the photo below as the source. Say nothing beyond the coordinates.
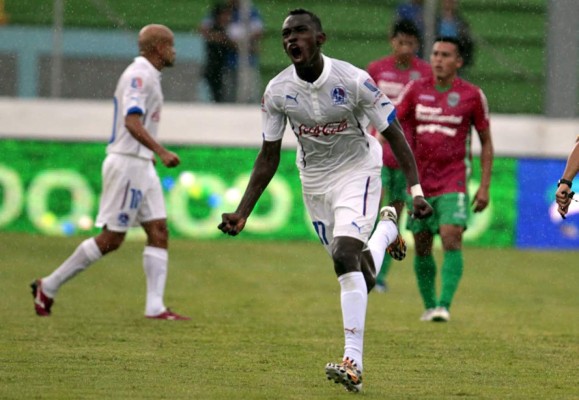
(142, 60)
(321, 79)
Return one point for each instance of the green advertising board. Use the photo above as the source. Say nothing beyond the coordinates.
(53, 188)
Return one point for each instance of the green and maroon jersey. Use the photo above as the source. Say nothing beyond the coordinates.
(440, 123)
(391, 80)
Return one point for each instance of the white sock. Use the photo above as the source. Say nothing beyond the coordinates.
(354, 299)
(85, 254)
(155, 262)
(384, 234)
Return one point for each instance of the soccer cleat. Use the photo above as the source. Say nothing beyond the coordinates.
(441, 314)
(396, 249)
(427, 315)
(42, 303)
(345, 373)
(169, 316)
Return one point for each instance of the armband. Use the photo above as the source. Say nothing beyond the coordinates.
(416, 190)
(566, 182)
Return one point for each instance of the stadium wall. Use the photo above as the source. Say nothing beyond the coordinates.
(52, 152)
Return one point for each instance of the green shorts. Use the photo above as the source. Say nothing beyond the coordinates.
(394, 184)
(449, 209)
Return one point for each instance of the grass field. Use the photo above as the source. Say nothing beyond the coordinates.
(266, 319)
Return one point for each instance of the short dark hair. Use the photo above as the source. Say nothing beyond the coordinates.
(219, 8)
(405, 27)
(453, 40)
(315, 19)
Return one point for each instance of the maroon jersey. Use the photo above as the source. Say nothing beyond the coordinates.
(441, 131)
(391, 80)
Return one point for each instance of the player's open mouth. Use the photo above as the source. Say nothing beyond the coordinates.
(295, 51)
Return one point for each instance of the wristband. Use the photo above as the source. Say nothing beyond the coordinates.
(565, 181)
(416, 190)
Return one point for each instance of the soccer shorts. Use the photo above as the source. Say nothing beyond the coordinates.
(132, 193)
(448, 209)
(394, 184)
(349, 209)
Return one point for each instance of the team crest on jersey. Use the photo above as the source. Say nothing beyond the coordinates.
(136, 83)
(453, 99)
(339, 95)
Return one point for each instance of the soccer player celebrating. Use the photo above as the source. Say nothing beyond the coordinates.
(132, 193)
(329, 103)
(440, 112)
(391, 74)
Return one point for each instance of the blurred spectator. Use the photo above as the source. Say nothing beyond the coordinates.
(413, 10)
(450, 23)
(237, 32)
(218, 46)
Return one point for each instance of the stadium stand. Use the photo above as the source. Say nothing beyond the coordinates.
(510, 35)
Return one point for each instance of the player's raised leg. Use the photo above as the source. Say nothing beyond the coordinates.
(386, 238)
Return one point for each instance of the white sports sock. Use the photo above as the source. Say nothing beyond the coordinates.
(85, 254)
(354, 299)
(384, 234)
(155, 261)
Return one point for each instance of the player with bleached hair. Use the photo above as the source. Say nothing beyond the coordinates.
(132, 194)
(440, 112)
(329, 103)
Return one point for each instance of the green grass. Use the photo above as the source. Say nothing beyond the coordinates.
(266, 318)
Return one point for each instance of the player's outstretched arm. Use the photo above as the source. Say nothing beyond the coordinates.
(264, 169)
(395, 137)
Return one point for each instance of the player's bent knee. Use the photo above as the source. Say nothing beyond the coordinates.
(109, 242)
(345, 261)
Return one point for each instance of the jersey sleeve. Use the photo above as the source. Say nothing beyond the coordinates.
(135, 95)
(404, 103)
(374, 103)
(273, 119)
(481, 119)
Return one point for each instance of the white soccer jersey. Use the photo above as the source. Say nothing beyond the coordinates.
(329, 118)
(138, 91)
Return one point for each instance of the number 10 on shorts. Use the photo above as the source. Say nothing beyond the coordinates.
(321, 231)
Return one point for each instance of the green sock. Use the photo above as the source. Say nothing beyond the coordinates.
(451, 274)
(381, 278)
(425, 269)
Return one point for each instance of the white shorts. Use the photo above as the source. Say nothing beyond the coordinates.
(349, 209)
(132, 193)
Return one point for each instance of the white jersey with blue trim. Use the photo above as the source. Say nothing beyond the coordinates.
(329, 118)
(138, 92)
